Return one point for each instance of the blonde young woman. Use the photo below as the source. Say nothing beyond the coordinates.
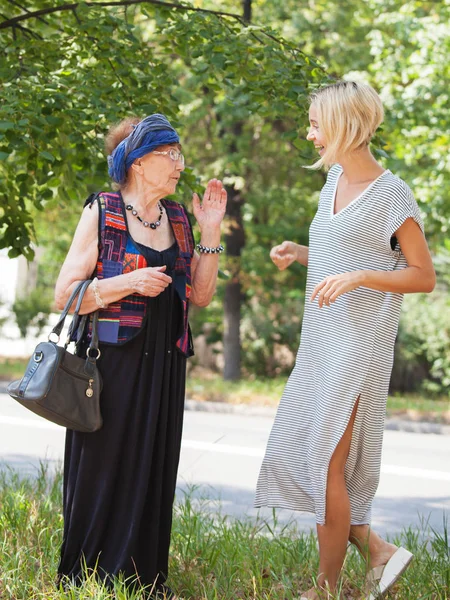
(366, 249)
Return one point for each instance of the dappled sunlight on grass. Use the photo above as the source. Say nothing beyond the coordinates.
(212, 556)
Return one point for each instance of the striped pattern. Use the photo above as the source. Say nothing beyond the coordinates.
(346, 351)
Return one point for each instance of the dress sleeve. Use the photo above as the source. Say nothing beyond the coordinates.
(403, 206)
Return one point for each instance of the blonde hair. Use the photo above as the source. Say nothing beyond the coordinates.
(349, 114)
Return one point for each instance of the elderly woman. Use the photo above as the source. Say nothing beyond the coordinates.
(119, 483)
(366, 249)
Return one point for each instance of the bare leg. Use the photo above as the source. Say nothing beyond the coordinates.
(333, 536)
(374, 550)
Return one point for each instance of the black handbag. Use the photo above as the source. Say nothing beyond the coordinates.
(60, 386)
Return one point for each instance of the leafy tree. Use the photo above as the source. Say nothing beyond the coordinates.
(238, 94)
(32, 311)
(402, 48)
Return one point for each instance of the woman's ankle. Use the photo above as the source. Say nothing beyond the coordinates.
(381, 554)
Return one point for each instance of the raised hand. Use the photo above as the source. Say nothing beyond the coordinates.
(211, 210)
(284, 255)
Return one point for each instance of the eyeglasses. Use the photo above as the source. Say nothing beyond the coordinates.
(172, 153)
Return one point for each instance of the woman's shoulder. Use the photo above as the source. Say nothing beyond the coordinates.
(399, 200)
(102, 197)
(395, 182)
(395, 189)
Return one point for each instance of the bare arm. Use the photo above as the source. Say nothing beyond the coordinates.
(204, 276)
(287, 253)
(81, 261)
(418, 276)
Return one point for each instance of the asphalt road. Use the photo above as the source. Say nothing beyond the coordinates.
(222, 453)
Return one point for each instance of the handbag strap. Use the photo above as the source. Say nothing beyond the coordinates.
(60, 324)
(76, 317)
(94, 339)
(80, 290)
(90, 364)
(77, 325)
(94, 336)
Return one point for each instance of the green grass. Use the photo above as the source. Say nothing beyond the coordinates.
(12, 368)
(267, 392)
(212, 557)
(212, 387)
(417, 405)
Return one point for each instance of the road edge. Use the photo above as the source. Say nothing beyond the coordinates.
(254, 410)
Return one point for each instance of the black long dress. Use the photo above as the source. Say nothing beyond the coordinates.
(119, 482)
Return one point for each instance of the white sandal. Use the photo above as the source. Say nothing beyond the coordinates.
(380, 579)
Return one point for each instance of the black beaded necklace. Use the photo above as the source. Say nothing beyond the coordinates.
(154, 225)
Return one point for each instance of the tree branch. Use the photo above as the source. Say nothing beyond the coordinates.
(17, 5)
(65, 7)
(8, 23)
(25, 30)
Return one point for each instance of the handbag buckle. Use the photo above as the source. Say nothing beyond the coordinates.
(50, 337)
(94, 357)
(38, 356)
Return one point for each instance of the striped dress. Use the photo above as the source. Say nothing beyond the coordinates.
(346, 352)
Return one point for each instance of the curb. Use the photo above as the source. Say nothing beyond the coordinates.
(391, 423)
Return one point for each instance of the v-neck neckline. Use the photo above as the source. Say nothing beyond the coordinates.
(333, 215)
(135, 242)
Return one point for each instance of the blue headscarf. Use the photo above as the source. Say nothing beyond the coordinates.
(151, 132)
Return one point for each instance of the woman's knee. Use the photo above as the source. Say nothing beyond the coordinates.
(336, 467)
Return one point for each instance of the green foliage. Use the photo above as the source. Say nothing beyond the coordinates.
(88, 67)
(212, 556)
(32, 311)
(207, 73)
(402, 48)
(423, 357)
(71, 73)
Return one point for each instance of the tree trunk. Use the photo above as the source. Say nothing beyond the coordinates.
(247, 6)
(235, 241)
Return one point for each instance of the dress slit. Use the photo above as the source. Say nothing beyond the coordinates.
(356, 406)
(346, 351)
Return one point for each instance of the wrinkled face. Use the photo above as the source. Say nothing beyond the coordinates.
(160, 172)
(314, 133)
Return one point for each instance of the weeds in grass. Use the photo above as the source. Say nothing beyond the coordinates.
(213, 557)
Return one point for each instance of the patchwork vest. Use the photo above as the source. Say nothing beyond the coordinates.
(122, 320)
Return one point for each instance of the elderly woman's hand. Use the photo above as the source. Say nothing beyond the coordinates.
(210, 212)
(149, 281)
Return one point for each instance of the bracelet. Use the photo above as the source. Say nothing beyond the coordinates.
(207, 250)
(98, 298)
